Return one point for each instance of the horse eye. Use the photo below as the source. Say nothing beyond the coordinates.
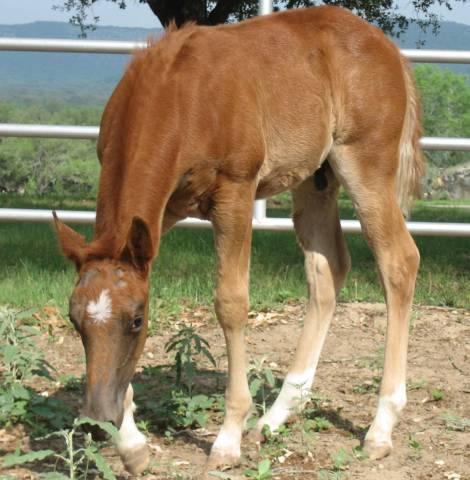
(137, 323)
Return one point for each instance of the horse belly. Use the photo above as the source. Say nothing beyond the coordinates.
(285, 168)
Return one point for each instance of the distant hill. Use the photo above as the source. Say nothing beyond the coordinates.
(451, 36)
(79, 78)
(90, 78)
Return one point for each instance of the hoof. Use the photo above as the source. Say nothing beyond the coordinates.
(255, 436)
(376, 451)
(136, 459)
(219, 460)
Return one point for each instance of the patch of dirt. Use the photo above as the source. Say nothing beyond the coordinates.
(424, 445)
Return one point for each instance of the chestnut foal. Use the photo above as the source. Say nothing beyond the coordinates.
(205, 121)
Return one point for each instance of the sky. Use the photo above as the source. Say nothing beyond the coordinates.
(140, 15)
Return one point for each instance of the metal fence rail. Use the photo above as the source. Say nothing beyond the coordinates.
(266, 223)
(121, 47)
(260, 221)
(92, 132)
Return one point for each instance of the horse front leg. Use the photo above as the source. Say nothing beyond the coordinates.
(132, 444)
(231, 219)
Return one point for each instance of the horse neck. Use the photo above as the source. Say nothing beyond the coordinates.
(141, 191)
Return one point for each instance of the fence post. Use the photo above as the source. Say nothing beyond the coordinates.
(265, 7)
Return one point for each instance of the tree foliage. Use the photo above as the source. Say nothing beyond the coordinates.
(384, 13)
(445, 97)
(47, 166)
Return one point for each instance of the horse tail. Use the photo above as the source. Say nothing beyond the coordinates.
(411, 166)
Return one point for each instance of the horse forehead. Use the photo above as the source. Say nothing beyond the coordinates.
(100, 310)
(103, 274)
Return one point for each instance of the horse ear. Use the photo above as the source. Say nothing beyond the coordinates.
(139, 250)
(71, 243)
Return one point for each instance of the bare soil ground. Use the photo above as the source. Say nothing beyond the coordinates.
(425, 445)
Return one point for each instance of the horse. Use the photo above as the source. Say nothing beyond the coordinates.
(205, 121)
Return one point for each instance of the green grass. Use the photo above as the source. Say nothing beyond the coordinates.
(34, 273)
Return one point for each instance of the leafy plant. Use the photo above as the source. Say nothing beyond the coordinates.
(454, 422)
(417, 384)
(188, 345)
(177, 403)
(369, 386)
(341, 459)
(321, 423)
(21, 360)
(416, 446)
(437, 395)
(76, 461)
(263, 384)
(275, 442)
(262, 473)
(189, 412)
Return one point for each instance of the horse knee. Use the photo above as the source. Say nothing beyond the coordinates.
(231, 307)
(401, 271)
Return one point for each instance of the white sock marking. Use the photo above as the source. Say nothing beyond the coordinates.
(294, 394)
(100, 311)
(387, 416)
(129, 435)
(228, 442)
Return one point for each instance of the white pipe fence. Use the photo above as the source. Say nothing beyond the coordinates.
(121, 47)
(266, 223)
(260, 221)
(92, 132)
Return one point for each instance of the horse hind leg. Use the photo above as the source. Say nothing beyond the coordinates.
(327, 263)
(368, 176)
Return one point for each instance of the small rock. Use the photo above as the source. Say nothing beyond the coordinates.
(452, 475)
(439, 462)
(150, 355)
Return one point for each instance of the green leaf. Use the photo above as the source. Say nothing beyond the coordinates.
(53, 476)
(250, 473)
(264, 468)
(18, 459)
(106, 426)
(9, 353)
(101, 464)
(255, 386)
(208, 355)
(18, 391)
(270, 378)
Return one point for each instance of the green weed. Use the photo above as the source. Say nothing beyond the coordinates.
(264, 386)
(76, 461)
(369, 386)
(437, 395)
(188, 345)
(263, 472)
(454, 422)
(341, 459)
(415, 446)
(417, 384)
(21, 361)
